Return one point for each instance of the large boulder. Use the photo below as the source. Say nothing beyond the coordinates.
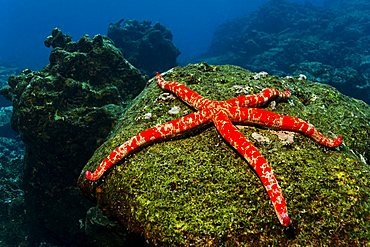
(196, 190)
(63, 113)
(147, 46)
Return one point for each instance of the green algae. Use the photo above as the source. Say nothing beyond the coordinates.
(196, 190)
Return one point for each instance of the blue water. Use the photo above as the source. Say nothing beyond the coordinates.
(24, 24)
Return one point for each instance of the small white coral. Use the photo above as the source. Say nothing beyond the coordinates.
(286, 137)
(302, 77)
(166, 97)
(259, 75)
(174, 110)
(289, 78)
(260, 138)
(241, 89)
(148, 115)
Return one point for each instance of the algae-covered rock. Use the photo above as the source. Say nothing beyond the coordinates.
(63, 112)
(197, 190)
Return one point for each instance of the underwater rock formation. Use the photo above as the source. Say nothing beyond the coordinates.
(11, 192)
(11, 182)
(5, 116)
(285, 38)
(5, 72)
(196, 190)
(147, 46)
(357, 5)
(63, 113)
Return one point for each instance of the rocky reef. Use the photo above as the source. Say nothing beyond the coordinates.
(63, 113)
(328, 45)
(196, 190)
(5, 116)
(147, 46)
(5, 72)
(11, 177)
(12, 214)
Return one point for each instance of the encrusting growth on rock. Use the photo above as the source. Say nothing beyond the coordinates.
(241, 110)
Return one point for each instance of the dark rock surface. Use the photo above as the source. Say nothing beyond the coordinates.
(329, 45)
(63, 113)
(147, 46)
(12, 214)
(5, 116)
(196, 190)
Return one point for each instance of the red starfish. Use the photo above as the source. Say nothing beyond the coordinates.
(223, 114)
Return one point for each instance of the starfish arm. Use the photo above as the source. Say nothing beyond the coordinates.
(273, 120)
(184, 93)
(258, 99)
(236, 139)
(159, 132)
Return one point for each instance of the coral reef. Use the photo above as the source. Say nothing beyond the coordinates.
(12, 212)
(11, 179)
(5, 116)
(196, 190)
(147, 46)
(329, 45)
(63, 113)
(5, 72)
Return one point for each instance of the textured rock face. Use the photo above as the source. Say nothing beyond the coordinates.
(5, 72)
(5, 116)
(11, 192)
(196, 190)
(286, 38)
(147, 46)
(63, 113)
